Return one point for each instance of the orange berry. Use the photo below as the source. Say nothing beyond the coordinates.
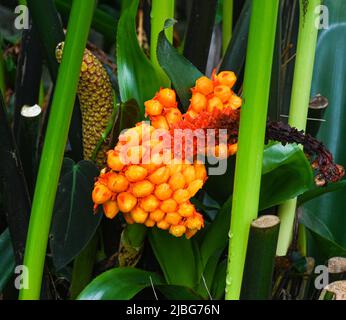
(232, 149)
(181, 195)
(175, 166)
(227, 78)
(135, 173)
(194, 186)
(200, 170)
(177, 181)
(177, 230)
(195, 222)
(128, 218)
(189, 233)
(114, 161)
(173, 116)
(110, 209)
(149, 203)
(134, 154)
(198, 102)
(235, 101)
(132, 136)
(169, 205)
(139, 215)
(160, 175)
(163, 191)
(214, 102)
(101, 194)
(151, 167)
(142, 188)
(167, 97)
(159, 122)
(189, 173)
(223, 92)
(153, 107)
(157, 215)
(117, 183)
(173, 217)
(149, 223)
(204, 85)
(186, 209)
(163, 224)
(193, 114)
(126, 201)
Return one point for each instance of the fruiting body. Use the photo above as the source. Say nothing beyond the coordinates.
(96, 103)
(150, 182)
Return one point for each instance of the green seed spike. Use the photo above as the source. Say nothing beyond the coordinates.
(96, 101)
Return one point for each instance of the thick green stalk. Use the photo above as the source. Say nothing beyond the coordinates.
(54, 145)
(131, 244)
(227, 23)
(260, 258)
(303, 71)
(160, 12)
(251, 138)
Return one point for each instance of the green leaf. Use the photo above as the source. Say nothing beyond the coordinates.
(172, 292)
(329, 80)
(236, 51)
(74, 222)
(322, 237)
(199, 32)
(177, 257)
(128, 115)
(125, 283)
(181, 71)
(120, 284)
(318, 191)
(7, 263)
(137, 77)
(286, 174)
(219, 283)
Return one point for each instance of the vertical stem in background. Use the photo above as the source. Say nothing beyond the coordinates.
(54, 145)
(227, 24)
(260, 258)
(160, 12)
(251, 138)
(303, 71)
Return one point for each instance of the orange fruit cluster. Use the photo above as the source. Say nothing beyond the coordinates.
(163, 109)
(216, 93)
(146, 182)
(150, 192)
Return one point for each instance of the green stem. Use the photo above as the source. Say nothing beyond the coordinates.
(303, 71)
(227, 24)
(160, 12)
(260, 258)
(251, 138)
(131, 244)
(54, 145)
